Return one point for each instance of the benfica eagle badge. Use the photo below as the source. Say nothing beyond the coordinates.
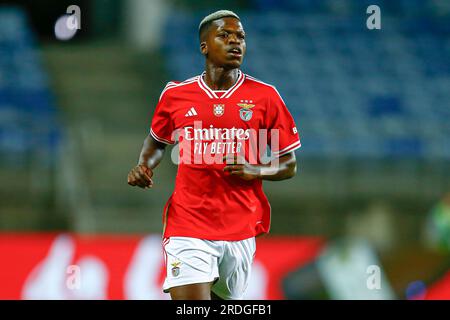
(245, 112)
(175, 268)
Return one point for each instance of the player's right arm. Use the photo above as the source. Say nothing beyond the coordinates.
(151, 154)
(161, 134)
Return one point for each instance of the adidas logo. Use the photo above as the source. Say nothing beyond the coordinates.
(191, 113)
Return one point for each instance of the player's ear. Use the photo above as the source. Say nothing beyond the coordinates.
(204, 48)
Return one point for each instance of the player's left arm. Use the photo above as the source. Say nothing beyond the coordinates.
(284, 168)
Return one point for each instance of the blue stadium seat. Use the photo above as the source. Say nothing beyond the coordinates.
(28, 118)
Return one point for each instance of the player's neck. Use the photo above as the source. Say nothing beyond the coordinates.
(218, 78)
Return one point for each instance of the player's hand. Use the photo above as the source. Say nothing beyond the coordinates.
(141, 176)
(237, 166)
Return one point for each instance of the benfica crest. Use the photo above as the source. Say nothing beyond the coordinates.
(176, 268)
(219, 110)
(245, 112)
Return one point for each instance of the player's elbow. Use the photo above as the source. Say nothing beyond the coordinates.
(289, 166)
(292, 171)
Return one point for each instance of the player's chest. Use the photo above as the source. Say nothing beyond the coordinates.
(242, 112)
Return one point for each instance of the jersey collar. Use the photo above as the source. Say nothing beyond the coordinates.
(223, 95)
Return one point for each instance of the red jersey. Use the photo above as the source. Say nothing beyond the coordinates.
(208, 203)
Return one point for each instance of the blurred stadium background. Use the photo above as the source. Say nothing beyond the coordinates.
(373, 111)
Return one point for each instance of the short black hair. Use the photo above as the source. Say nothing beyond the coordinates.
(208, 20)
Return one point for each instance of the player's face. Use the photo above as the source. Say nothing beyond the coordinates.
(225, 43)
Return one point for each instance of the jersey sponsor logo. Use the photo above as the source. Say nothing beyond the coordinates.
(216, 140)
(245, 112)
(175, 268)
(209, 145)
(198, 132)
(219, 110)
(294, 130)
(191, 113)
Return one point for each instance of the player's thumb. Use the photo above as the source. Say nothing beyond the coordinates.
(144, 170)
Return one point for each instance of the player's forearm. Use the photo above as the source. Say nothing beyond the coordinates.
(152, 152)
(286, 169)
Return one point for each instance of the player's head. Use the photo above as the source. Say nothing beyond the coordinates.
(222, 39)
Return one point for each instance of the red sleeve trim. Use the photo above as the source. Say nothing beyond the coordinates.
(288, 149)
(157, 138)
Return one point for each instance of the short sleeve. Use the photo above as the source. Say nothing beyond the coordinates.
(162, 125)
(283, 136)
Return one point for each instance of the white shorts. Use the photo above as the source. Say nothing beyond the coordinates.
(226, 263)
